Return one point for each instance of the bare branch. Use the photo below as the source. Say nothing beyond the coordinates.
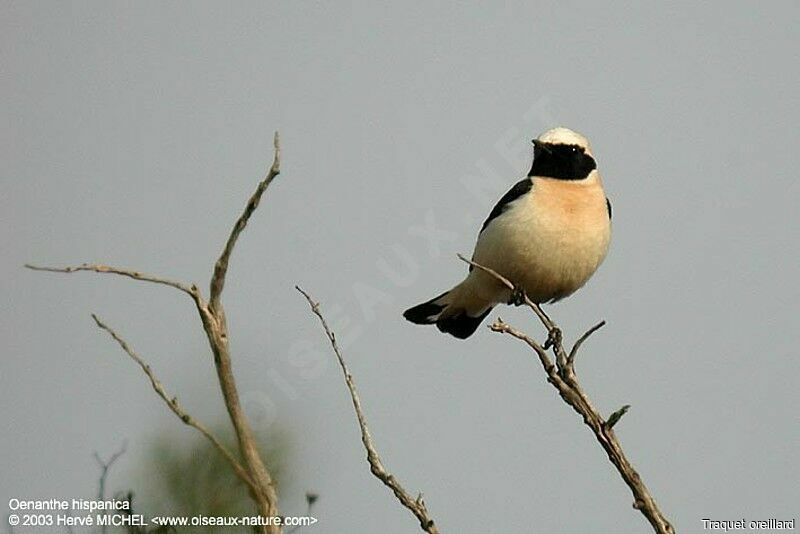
(221, 267)
(212, 315)
(107, 269)
(506, 282)
(176, 408)
(614, 418)
(415, 505)
(563, 377)
(104, 468)
(311, 498)
(215, 325)
(584, 337)
(500, 326)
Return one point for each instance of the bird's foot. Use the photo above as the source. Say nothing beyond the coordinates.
(517, 297)
(553, 337)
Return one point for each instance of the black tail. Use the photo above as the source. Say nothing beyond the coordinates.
(427, 312)
(461, 325)
(454, 322)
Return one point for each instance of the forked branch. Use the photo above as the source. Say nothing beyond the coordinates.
(252, 470)
(221, 266)
(216, 327)
(105, 466)
(415, 505)
(563, 377)
(174, 405)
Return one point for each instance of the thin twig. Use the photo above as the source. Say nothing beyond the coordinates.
(104, 467)
(500, 326)
(216, 328)
(584, 337)
(221, 266)
(614, 418)
(416, 506)
(212, 315)
(107, 269)
(506, 282)
(176, 408)
(311, 498)
(563, 377)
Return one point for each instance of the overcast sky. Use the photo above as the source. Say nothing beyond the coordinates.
(133, 133)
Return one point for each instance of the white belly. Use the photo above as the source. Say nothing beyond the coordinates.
(550, 241)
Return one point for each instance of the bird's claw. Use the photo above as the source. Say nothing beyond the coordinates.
(517, 297)
(553, 337)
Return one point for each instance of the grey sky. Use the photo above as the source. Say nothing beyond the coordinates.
(132, 134)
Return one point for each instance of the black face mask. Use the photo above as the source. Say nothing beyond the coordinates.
(563, 162)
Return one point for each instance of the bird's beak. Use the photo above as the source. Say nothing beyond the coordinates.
(540, 144)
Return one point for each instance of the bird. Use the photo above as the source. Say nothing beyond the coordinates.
(547, 235)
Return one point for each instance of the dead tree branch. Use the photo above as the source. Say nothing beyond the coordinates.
(562, 376)
(252, 471)
(105, 466)
(174, 405)
(221, 266)
(107, 269)
(216, 327)
(416, 506)
(311, 498)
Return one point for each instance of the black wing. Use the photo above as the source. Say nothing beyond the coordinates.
(608, 207)
(519, 189)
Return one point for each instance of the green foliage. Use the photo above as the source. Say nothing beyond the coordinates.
(191, 478)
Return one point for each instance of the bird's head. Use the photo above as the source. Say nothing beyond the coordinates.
(562, 154)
